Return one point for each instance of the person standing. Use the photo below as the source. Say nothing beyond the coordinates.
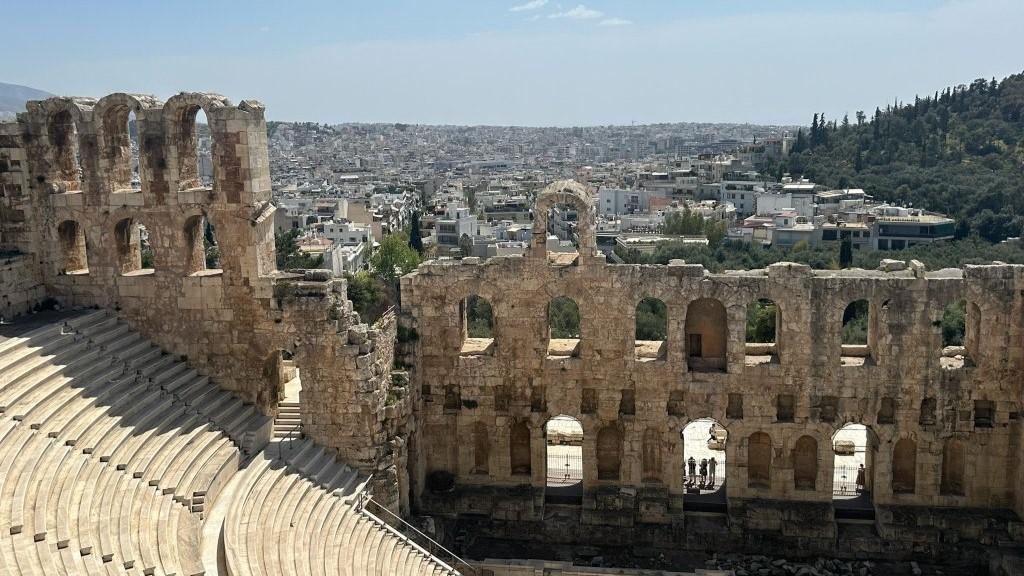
(860, 479)
(703, 472)
(712, 464)
(691, 466)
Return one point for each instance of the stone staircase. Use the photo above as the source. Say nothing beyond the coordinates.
(288, 423)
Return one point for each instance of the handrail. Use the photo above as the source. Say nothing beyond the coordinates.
(289, 438)
(364, 498)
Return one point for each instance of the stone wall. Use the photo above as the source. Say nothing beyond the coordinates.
(785, 411)
(20, 290)
(81, 225)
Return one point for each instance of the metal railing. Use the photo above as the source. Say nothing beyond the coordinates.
(290, 438)
(409, 533)
(844, 480)
(565, 468)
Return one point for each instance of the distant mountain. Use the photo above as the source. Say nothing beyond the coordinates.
(13, 98)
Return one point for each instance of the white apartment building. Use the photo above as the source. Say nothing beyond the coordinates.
(458, 220)
(615, 201)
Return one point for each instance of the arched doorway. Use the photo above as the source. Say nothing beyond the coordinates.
(563, 445)
(854, 447)
(703, 471)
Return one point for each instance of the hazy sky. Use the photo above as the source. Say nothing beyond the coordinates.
(538, 62)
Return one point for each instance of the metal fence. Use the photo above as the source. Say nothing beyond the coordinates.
(844, 480)
(565, 468)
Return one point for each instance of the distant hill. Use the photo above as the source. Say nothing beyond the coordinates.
(13, 98)
(959, 151)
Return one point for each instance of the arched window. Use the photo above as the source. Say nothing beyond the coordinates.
(805, 463)
(74, 256)
(481, 448)
(652, 455)
(201, 242)
(904, 467)
(67, 171)
(609, 453)
(134, 248)
(519, 449)
(956, 336)
(120, 152)
(953, 467)
(763, 321)
(477, 326)
(706, 335)
(651, 329)
(856, 334)
(563, 327)
(194, 148)
(759, 460)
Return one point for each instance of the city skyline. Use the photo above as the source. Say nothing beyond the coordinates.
(530, 63)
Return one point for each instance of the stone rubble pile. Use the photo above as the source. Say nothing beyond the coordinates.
(741, 565)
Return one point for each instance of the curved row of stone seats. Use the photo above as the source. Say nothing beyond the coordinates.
(106, 445)
(313, 526)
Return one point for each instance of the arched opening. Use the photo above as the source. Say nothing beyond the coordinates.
(74, 254)
(477, 326)
(904, 467)
(67, 171)
(856, 334)
(855, 447)
(281, 391)
(121, 148)
(763, 321)
(563, 327)
(481, 449)
(759, 460)
(706, 333)
(201, 245)
(563, 234)
(134, 247)
(563, 443)
(955, 336)
(704, 442)
(651, 456)
(520, 455)
(609, 453)
(194, 149)
(805, 463)
(953, 460)
(651, 329)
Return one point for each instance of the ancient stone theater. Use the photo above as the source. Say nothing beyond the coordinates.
(159, 416)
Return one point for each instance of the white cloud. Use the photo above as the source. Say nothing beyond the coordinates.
(531, 5)
(615, 22)
(580, 12)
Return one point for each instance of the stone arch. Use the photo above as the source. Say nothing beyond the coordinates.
(953, 462)
(904, 467)
(481, 448)
(609, 453)
(180, 115)
(112, 113)
(520, 453)
(201, 249)
(564, 327)
(571, 193)
(129, 239)
(759, 460)
(651, 456)
(706, 334)
(64, 124)
(73, 248)
(650, 329)
(704, 442)
(805, 463)
(854, 448)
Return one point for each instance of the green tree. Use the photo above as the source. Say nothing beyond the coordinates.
(290, 257)
(651, 320)
(564, 318)
(855, 323)
(394, 258)
(466, 245)
(954, 323)
(479, 318)
(761, 321)
(369, 296)
(415, 240)
(846, 252)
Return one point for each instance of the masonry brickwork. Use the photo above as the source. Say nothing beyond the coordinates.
(943, 433)
(72, 229)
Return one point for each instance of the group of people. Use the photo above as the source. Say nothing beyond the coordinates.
(706, 478)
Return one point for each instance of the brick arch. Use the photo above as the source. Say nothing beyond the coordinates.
(111, 115)
(179, 115)
(571, 193)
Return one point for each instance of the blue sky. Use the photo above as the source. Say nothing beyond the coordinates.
(520, 62)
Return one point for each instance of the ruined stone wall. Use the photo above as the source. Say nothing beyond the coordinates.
(76, 218)
(803, 396)
(20, 290)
